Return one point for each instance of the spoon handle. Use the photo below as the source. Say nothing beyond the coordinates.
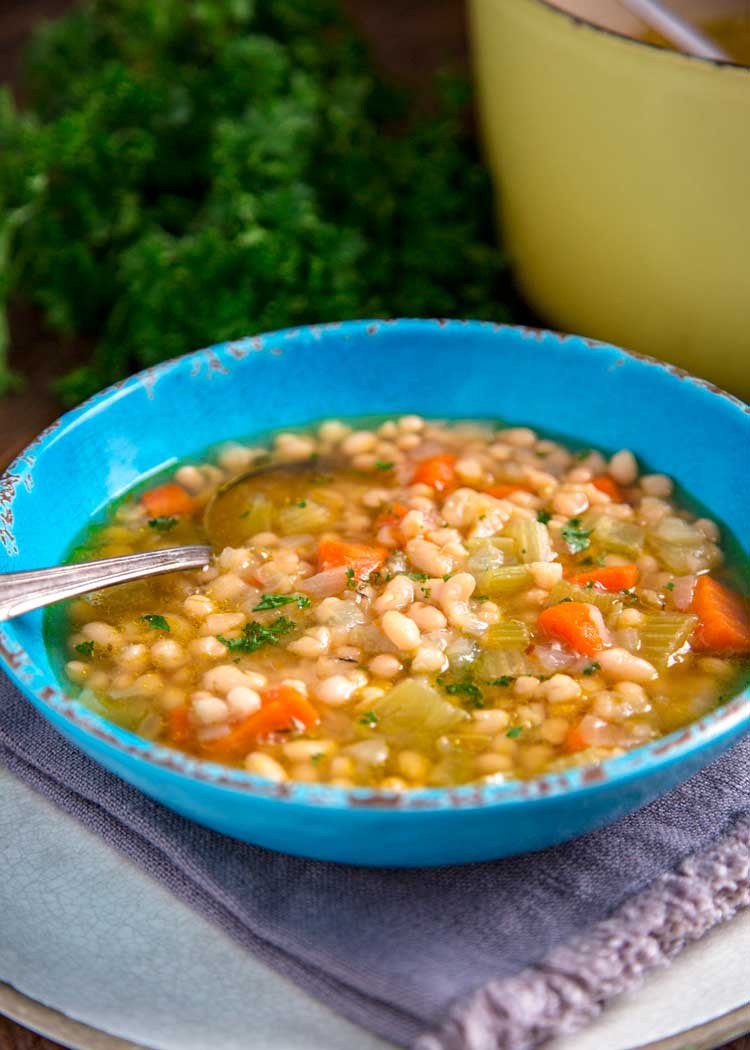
(683, 34)
(21, 592)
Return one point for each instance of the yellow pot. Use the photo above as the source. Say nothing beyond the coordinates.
(624, 180)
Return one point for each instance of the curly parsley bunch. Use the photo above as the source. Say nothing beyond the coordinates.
(190, 171)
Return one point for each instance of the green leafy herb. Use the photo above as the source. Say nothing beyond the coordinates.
(447, 577)
(156, 622)
(351, 582)
(589, 585)
(504, 681)
(543, 516)
(382, 465)
(669, 586)
(317, 759)
(467, 689)
(514, 732)
(419, 577)
(85, 648)
(369, 719)
(583, 453)
(592, 668)
(189, 171)
(576, 538)
(255, 635)
(301, 503)
(163, 524)
(276, 601)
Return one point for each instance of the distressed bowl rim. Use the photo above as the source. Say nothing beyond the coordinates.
(648, 759)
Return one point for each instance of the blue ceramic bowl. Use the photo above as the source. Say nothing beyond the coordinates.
(590, 393)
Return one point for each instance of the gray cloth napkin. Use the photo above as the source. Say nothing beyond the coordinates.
(497, 956)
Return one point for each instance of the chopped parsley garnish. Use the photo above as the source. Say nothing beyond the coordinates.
(275, 601)
(419, 577)
(384, 464)
(447, 577)
(473, 693)
(301, 503)
(576, 538)
(156, 622)
(563, 600)
(351, 583)
(669, 586)
(504, 680)
(85, 648)
(583, 453)
(426, 592)
(592, 668)
(514, 732)
(163, 524)
(317, 758)
(481, 598)
(543, 516)
(255, 635)
(589, 585)
(369, 719)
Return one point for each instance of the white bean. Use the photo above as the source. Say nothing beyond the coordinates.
(621, 665)
(336, 690)
(242, 701)
(208, 709)
(384, 665)
(623, 467)
(168, 654)
(263, 765)
(401, 630)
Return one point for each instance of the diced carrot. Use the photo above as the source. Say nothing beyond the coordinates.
(724, 618)
(437, 472)
(298, 706)
(503, 491)
(575, 623)
(607, 484)
(168, 500)
(178, 725)
(238, 741)
(359, 557)
(284, 707)
(393, 515)
(574, 741)
(608, 578)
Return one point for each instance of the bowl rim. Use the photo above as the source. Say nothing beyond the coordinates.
(579, 20)
(47, 695)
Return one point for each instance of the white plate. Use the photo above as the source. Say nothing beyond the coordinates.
(97, 955)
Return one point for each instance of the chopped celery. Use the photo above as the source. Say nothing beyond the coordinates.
(532, 540)
(683, 560)
(619, 537)
(304, 516)
(663, 634)
(504, 580)
(504, 663)
(258, 517)
(677, 531)
(564, 591)
(490, 553)
(513, 634)
(413, 713)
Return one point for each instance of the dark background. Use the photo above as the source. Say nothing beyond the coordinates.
(409, 38)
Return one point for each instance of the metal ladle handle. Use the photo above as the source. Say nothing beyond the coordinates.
(21, 592)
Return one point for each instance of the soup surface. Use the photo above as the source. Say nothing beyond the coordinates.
(415, 603)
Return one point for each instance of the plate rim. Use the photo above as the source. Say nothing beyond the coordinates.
(53, 1024)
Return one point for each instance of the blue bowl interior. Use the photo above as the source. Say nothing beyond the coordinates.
(589, 394)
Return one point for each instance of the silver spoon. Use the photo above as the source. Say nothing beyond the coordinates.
(21, 592)
(676, 29)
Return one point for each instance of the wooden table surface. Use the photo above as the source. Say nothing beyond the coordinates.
(409, 38)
